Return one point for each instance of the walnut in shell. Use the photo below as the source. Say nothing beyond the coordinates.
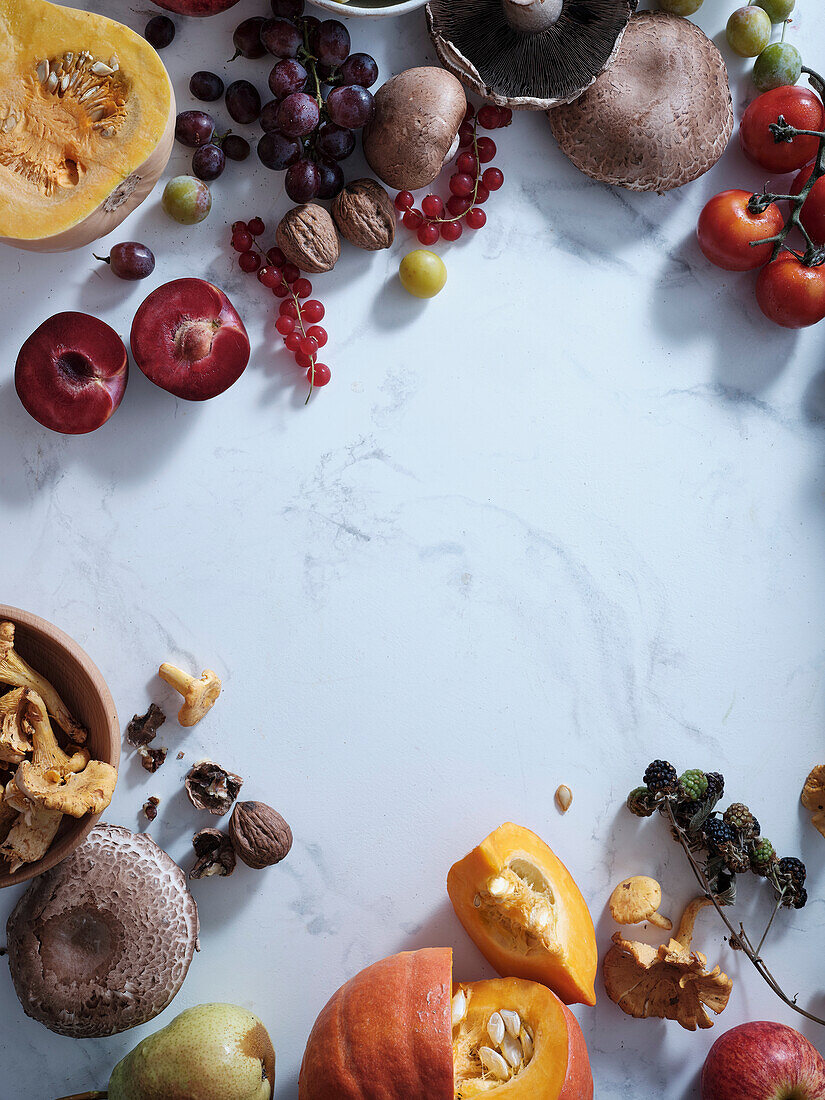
(365, 215)
(260, 836)
(308, 238)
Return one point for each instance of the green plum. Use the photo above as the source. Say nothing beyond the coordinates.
(749, 31)
(778, 10)
(778, 66)
(423, 273)
(187, 200)
(680, 7)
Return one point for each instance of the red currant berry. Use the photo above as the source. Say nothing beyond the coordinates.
(428, 233)
(269, 277)
(432, 206)
(319, 375)
(239, 225)
(292, 341)
(309, 345)
(451, 231)
(404, 200)
(482, 194)
(288, 308)
(302, 287)
(470, 113)
(276, 257)
(506, 116)
(249, 261)
(462, 184)
(302, 359)
(486, 149)
(285, 325)
(256, 227)
(318, 334)
(291, 273)
(458, 205)
(467, 163)
(475, 218)
(412, 219)
(493, 178)
(489, 117)
(466, 131)
(242, 240)
(281, 290)
(312, 311)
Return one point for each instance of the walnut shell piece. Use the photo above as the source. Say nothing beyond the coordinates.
(260, 836)
(308, 238)
(143, 728)
(210, 787)
(214, 854)
(365, 215)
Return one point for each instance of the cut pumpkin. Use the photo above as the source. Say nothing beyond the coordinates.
(522, 909)
(86, 124)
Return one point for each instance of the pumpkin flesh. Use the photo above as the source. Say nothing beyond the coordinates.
(86, 123)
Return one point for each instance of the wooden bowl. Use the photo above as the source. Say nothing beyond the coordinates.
(80, 684)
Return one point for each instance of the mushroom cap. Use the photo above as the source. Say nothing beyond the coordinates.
(502, 61)
(417, 116)
(103, 942)
(662, 115)
(635, 899)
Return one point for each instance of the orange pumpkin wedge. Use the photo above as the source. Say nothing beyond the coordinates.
(522, 909)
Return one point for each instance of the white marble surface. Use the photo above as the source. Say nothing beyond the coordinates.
(563, 519)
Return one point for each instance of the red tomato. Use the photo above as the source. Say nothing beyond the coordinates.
(800, 108)
(791, 294)
(726, 228)
(813, 212)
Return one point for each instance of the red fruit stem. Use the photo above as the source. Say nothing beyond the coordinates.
(479, 170)
(813, 255)
(739, 940)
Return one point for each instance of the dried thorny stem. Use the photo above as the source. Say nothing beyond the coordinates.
(813, 255)
(739, 940)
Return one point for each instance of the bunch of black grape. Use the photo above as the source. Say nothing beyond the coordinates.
(320, 98)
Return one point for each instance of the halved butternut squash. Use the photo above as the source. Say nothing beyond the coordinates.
(521, 907)
(86, 124)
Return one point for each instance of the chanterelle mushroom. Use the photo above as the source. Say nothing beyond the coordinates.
(813, 797)
(637, 899)
(16, 673)
(15, 740)
(527, 53)
(199, 696)
(670, 982)
(30, 836)
(102, 942)
(47, 755)
(78, 794)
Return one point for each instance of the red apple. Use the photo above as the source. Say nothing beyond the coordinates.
(71, 373)
(188, 339)
(763, 1061)
(196, 7)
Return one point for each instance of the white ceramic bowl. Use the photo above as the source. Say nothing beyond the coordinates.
(371, 8)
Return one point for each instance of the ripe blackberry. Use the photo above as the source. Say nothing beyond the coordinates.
(792, 870)
(717, 832)
(739, 816)
(801, 899)
(734, 858)
(716, 785)
(660, 776)
(694, 784)
(640, 802)
(762, 857)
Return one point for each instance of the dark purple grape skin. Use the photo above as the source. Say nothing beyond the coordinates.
(286, 77)
(269, 116)
(243, 102)
(130, 260)
(350, 106)
(303, 181)
(206, 86)
(208, 162)
(288, 9)
(247, 38)
(281, 38)
(298, 115)
(330, 42)
(335, 142)
(194, 128)
(159, 32)
(330, 179)
(278, 152)
(235, 147)
(361, 69)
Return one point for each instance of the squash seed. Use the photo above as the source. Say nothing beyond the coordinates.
(495, 1029)
(512, 1021)
(511, 1049)
(459, 1007)
(494, 1063)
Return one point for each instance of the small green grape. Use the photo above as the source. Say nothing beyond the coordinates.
(680, 7)
(187, 200)
(778, 66)
(422, 273)
(778, 10)
(749, 30)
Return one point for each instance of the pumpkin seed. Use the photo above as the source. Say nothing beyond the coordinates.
(499, 887)
(526, 1044)
(495, 1028)
(494, 1063)
(459, 1007)
(101, 69)
(43, 70)
(511, 1049)
(512, 1021)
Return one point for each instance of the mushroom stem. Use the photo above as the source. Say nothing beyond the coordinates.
(175, 677)
(660, 921)
(532, 16)
(688, 921)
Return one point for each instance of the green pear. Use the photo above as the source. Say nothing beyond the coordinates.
(209, 1052)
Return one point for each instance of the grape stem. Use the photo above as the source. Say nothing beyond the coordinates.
(463, 214)
(782, 132)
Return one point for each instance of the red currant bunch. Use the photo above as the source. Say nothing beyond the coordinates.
(470, 184)
(297, 317)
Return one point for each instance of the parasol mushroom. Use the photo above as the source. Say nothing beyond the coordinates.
(813, 797)
(669, 982)
(638, 899)
(532, 54)
(660, 118)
